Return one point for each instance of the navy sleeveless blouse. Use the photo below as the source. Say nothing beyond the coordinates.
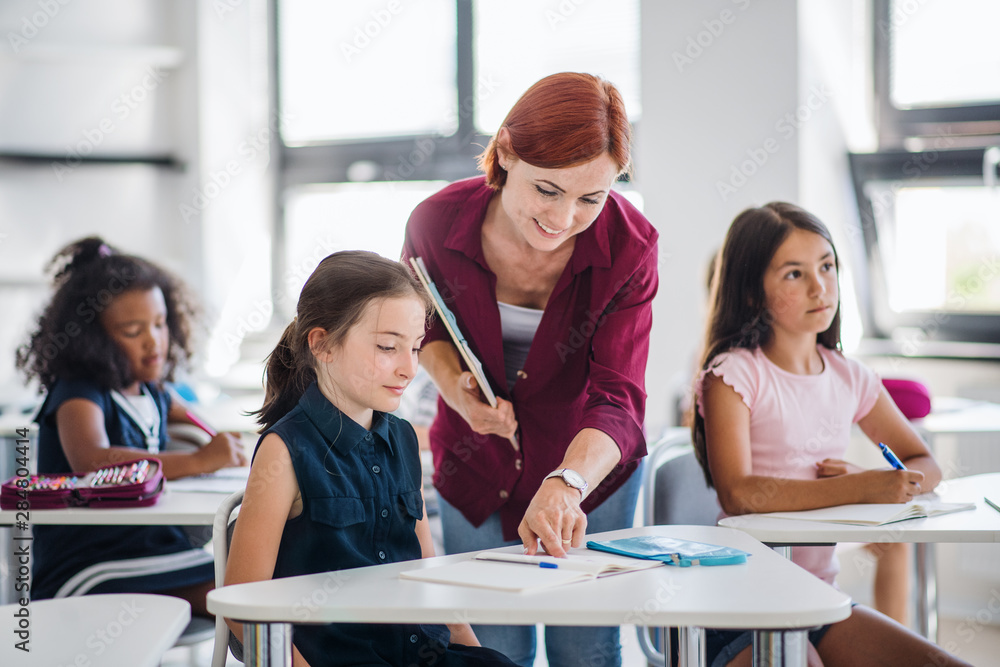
(360, 503)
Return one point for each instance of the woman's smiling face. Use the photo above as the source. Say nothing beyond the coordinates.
(548, 207)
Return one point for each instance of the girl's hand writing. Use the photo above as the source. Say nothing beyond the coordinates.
(479, 415)
(225, 450)
(835, 468)
(890, 486)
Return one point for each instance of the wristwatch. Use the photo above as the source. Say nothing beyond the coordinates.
(572, 478)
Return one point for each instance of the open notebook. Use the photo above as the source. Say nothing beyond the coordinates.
(522, 574)
(877, 514)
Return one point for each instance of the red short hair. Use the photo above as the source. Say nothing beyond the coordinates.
(563, 120)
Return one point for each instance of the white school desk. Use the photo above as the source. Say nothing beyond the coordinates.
(957, 416)
(174, 508)
(981, 525)
(121, 630)
(768, 593)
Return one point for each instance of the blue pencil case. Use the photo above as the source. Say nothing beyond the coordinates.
(672, 551)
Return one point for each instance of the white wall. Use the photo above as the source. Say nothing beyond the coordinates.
(718, 78)
(93, 78)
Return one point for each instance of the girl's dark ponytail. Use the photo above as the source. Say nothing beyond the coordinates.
(76, 256)
(288, 375)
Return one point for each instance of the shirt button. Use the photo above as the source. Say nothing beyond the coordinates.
(517, 464)
(521, 374)
(368, 436)
(413, 639)
(381, 555)
(503, 493)
(385, 513)
(376, 469)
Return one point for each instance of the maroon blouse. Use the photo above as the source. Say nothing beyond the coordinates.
(587, 362)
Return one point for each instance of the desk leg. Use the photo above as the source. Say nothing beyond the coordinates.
(267, 644)
(927, 611)
(691, 647)
(779, 648)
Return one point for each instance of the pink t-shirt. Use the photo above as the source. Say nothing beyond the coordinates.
(798, 420)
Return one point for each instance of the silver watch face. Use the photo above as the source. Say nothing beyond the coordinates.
(574, 479)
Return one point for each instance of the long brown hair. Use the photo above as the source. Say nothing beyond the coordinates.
(334, 299)
(738, 315)
(563, 120)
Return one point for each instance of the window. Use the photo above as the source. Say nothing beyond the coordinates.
(927, 199)
(932, 243)
(383, 103)
(936, 63)
(335, 62)
(601, 38)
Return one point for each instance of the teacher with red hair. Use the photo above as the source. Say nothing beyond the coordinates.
(551, 275)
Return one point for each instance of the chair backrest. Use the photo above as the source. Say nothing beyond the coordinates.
(221, 536)
(911, 397)
(674, 485)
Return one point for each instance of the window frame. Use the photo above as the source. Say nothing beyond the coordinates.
(924, 333)
(452, 157)
(893, 124)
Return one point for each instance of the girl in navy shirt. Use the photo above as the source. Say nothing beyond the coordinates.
(335, 482)
(116, 328)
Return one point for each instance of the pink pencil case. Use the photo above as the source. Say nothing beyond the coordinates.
(135, 483)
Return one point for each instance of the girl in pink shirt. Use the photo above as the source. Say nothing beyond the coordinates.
(774, 407)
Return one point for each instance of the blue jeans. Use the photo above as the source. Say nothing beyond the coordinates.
(565, 646)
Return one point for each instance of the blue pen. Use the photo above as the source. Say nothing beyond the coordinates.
(891, 457)
(549, 566)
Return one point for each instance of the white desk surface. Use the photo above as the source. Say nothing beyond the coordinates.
(766, 592)
(174, 508)
(961, 415)
(121, 630)
(980, 525)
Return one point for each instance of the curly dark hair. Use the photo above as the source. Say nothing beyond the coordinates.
(70, 341)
